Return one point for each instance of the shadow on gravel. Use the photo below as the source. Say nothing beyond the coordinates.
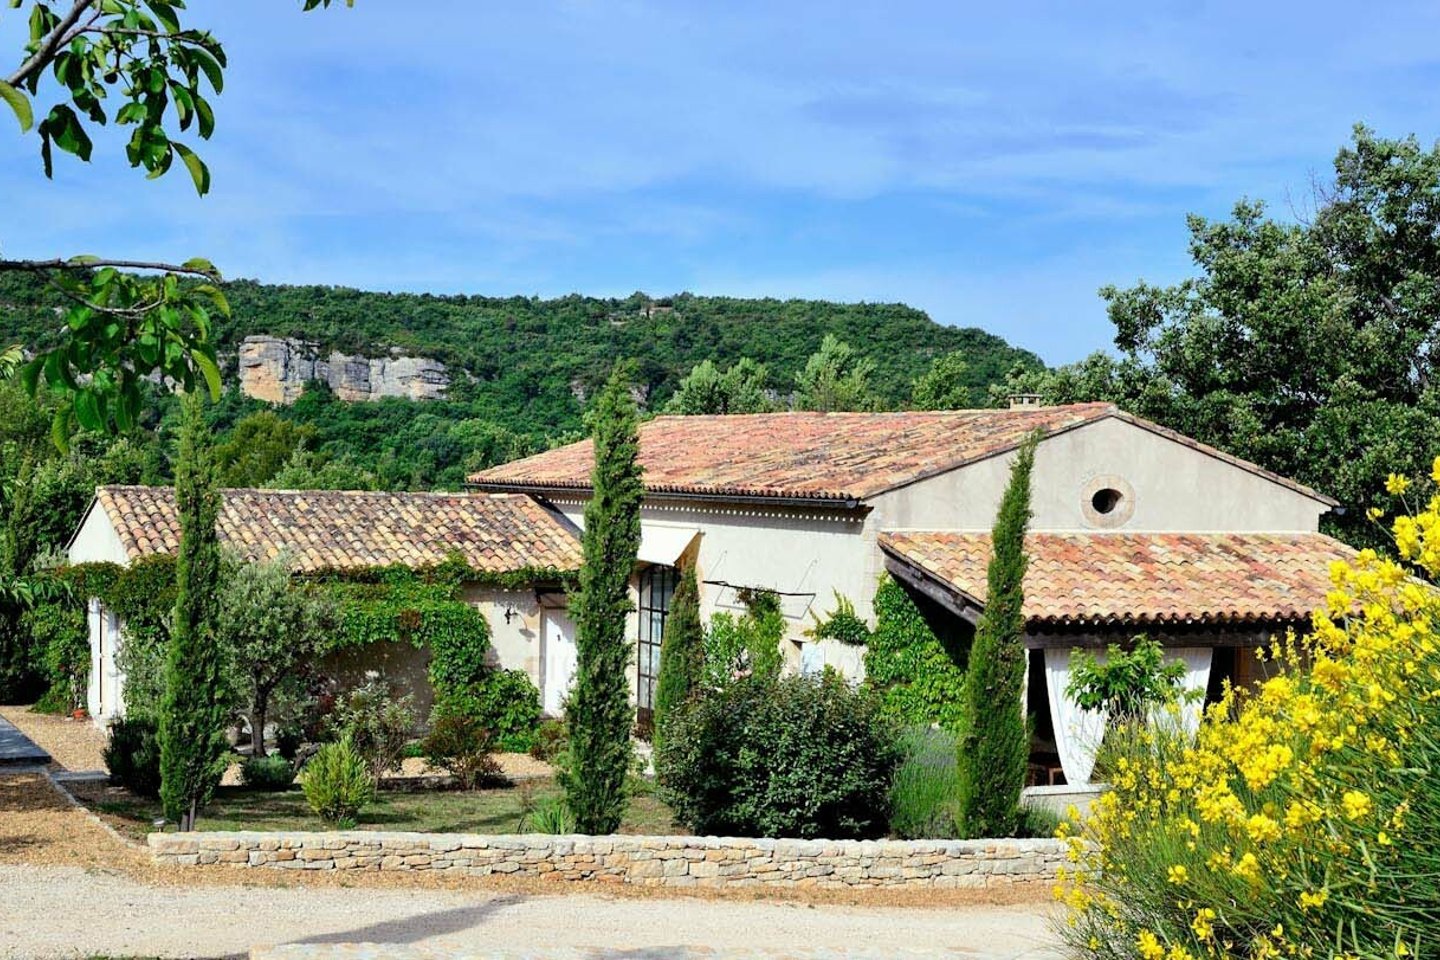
(417, 926)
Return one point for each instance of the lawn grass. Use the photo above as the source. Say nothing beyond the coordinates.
(495, 810)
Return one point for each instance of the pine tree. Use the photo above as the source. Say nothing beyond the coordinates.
(682, 654)
(599, 711)
(995, 744)
(193, 712)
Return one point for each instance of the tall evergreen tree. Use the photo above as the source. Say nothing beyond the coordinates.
(193, 712)
(995, 744)
(599, 709)
(682, 654)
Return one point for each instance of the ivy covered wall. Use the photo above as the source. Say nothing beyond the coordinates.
(916, 659)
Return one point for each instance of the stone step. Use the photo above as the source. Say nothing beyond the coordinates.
(18, 750)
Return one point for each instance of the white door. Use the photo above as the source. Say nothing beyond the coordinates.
(558, 660)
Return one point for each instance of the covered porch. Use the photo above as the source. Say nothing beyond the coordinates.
(1211, 600)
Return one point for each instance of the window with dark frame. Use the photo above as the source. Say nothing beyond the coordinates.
(657, 585)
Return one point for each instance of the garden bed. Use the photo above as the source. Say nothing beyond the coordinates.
(495, 810)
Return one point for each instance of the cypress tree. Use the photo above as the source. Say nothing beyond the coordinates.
(995, 743)
(599, 711)
(193, 713)
(682, 654)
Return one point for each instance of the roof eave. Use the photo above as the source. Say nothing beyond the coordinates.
(547, 490)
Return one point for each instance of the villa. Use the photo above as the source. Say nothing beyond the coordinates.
(1136, 529)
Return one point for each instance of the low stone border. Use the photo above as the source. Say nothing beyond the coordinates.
(645, 861)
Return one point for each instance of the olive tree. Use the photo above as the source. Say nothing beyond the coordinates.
(269, 628)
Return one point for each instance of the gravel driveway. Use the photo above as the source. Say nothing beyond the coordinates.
(71, 911)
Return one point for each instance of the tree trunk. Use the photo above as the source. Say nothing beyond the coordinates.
(257, 724)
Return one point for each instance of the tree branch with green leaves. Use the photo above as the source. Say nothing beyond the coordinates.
(135, 64)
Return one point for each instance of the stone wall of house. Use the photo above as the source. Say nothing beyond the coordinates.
(645, 861)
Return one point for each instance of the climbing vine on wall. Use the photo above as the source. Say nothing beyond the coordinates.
(841, 624)
(422, 608)
(920, 676)
(406, 607)
(142, 596)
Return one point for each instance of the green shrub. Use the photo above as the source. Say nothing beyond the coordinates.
(337, 782)
(287, 742)
(552, 738)
(377, 723)
(925, 794)
(460, 744)
(1129, 684)
(1040, 823)
(550, 816)
(504, 702)
(133, 755)
(747, 645)
(267, 773)
(794, 757)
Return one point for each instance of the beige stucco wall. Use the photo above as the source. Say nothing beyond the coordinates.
(1176, 487)
(809, 552)
(517, 643)
(405, 666)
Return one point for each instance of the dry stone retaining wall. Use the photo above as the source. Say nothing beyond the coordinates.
(646, 861)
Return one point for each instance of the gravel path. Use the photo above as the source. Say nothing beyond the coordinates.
(69, 911)
(73, 745)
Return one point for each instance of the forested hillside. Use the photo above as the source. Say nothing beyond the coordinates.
(522, 366)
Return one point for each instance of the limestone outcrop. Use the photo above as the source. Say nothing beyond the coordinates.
(276, 369)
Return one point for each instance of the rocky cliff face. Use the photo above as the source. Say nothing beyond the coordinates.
(277, 370)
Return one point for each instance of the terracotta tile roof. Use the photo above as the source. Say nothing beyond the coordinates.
(1140, 578)
(352, 530)
(825, 456)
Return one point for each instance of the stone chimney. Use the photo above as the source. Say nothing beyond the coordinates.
(1025, 401)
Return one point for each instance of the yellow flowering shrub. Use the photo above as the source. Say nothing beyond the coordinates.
(1304, 818)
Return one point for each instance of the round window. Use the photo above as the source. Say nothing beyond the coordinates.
(1105, 500)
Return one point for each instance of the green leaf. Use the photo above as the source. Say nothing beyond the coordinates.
(30, 375)
(210, 370)
(201, 265)
(60, 429)
(198, 171)
(18, 103)
(87, 411)
(216, 297)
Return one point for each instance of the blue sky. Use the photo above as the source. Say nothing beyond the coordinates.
(991, 164)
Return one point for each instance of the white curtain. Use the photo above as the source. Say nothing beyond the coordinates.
(1077, 732)
(1197, 662)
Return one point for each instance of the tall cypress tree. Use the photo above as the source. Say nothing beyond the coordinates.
(995, 744)
(599, 711)
(193, 712)
(682, 654)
